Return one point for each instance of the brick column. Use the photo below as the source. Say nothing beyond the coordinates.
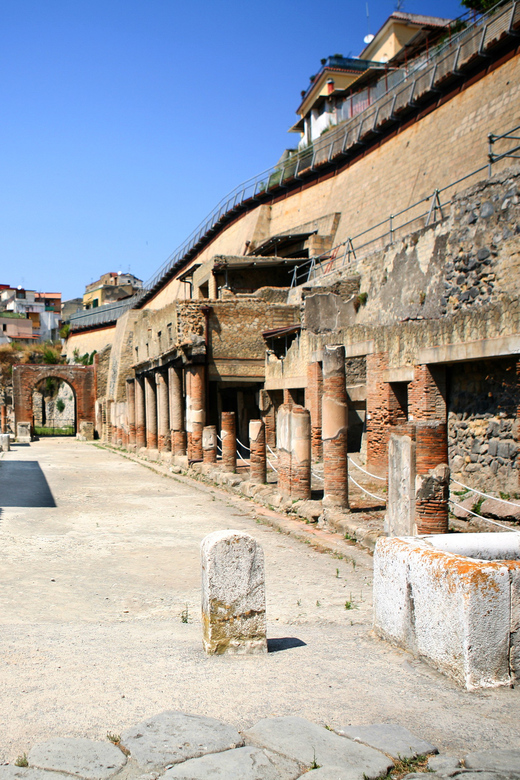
(288, 397)
(209, 444)
(195, 411)
(379, 416)
(268, 417)
(118, 410)
(140, 417)
(283, 446)
(163, 422)
(300, 453)
(2, 418)
(150, 411)
(257, 461)
(313, 393)
(130, 410)
(177, 430)
(229, 442)
(427, 393)
(334, 427)
(432, 477)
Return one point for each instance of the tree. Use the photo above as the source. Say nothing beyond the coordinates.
(481, 6)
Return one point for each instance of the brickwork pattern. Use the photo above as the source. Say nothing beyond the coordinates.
(150, 412)
(313, 394)
(140, 415)
(163, 421)
(209, 444)
(229, 442)
(431, 448)
(195, 411)
(130, 411)
(258, 461)
(334, 427)
(427, 393)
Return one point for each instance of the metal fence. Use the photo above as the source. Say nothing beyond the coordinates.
(407, 85)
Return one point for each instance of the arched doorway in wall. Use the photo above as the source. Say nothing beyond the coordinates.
(54, 407)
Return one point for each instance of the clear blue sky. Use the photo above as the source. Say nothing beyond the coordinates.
(123, 122)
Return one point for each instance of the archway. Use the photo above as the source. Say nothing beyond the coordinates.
(54, 408)
(28, 377)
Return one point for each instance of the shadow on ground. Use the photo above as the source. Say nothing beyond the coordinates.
(283, 643)
(23, 483)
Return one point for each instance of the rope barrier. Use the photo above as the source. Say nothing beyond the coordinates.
(474, 490)
(273, 453)
(374, 476)
(372, 495)
(317, 476)
(271, 466)
(243, 445)
(486, 519)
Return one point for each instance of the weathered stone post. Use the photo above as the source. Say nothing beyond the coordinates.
(267, 412)
(257, 460)
(400, 514)
(163, 423)
(300, 453)
(229, 442)
(5, 442)
(177, 433)
(130, 410)
(283, 445)
(140, 417)
(233, 594)
(209, 444)
(334, 428)
(195, 411)
(313, 393)
(432, 483)
(151, 412)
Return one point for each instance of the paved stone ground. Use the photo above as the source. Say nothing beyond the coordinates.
(101, 557)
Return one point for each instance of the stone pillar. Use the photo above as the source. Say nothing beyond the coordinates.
(140, 417)
(377, 414)
(300, 453)
(400, 513)
(163, 422)
(119, 423)
(5, 442)
(177, 429)
(212, 287)
(151, 412)
(130, 410)
(3, 417)
(229, 442)
(432, 480)
(427, 393)
(233, 594)
(283, 445)
(209, 443)
(257, 461)
(334, 428)
(195, 411)
(313, 393)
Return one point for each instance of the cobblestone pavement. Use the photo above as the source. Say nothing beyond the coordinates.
(100, 570)
(178, 746)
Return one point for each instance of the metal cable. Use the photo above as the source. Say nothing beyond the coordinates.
(486, 519)
(474, 490)
(374, 476)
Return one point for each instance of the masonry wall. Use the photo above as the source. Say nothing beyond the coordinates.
(88, 341)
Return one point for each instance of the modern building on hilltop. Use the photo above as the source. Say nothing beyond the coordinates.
(42, 310)
(110, 287)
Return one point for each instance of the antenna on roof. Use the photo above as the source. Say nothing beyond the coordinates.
(399, 5)
(368, 37)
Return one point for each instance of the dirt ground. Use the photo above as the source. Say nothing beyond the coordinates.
(100, 567)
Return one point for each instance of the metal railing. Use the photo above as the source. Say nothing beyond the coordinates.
(511, 153)
(408, 84)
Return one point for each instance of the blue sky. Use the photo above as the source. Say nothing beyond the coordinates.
(123, 122)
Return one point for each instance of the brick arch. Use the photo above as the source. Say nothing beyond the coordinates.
(27, 377)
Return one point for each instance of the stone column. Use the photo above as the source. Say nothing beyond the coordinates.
(150, 411)
(432, 477)
(400, 509)
(334, 428)
(130, 410)
(209, 444)
(177, 430)
(257, 461)
(3, 418)
(267, 412)
(212, 287)
(195, 411)
(313, 393)
(233, 594)
(283, 445)
(229, 442)
(163, 422)
(140, 417)
(119, 423)
(300, 453)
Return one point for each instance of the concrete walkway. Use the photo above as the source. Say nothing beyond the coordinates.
(99, 571)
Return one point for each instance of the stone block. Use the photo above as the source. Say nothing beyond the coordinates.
(80, 757)
(23, 432)
(246, 763)
(390, 738)
(173, 737)
(5, 442)
(504, 760)
(400, 517)
(303, 741)
(233, 594)
(443, 764)
(86, 431)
